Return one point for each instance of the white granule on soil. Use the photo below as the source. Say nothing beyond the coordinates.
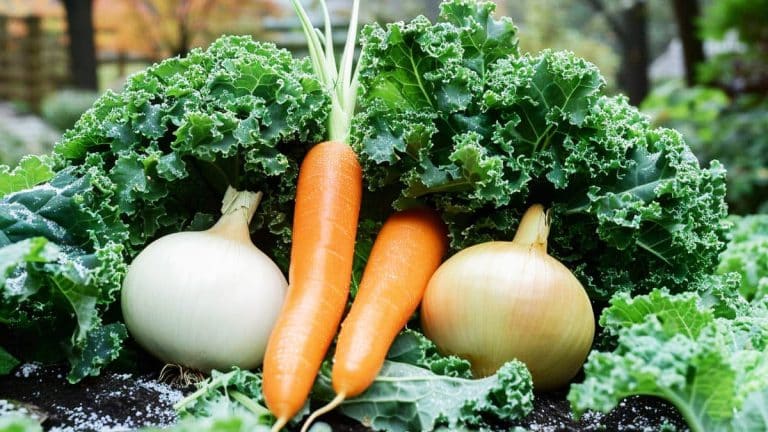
(9, 408)
(6, 407)
(167, 394)
(93, 421)
(535, 427)
(27, 370)
(158, 413)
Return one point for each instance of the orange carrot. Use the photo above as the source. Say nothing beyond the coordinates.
(407, 251)
(325, 220)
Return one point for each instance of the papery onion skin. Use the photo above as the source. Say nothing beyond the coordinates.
(498, 301)
(205, 300)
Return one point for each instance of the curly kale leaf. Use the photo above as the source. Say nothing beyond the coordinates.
(31, 171)
(413, 348)
(236, 391)
(404, 397)
(60, 251)
(713, 369)
(240, 113)
(453, 116)
(680, 313)
(747, 255)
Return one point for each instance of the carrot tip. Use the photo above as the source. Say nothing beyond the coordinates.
(279, 424)
(320, 411)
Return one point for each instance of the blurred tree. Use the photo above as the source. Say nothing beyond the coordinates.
(121, 31)
(724, 117)
(687, 13)
(173, 21)
(744, 70)
(82, 49)
(628, 20)
(177, 25)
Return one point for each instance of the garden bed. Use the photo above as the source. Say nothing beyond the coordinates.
(126, 401)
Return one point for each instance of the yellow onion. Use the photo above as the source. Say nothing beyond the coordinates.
(500, 300)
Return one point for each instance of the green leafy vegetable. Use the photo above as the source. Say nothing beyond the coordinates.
(153, 159)
(218, 423)
(405, 398)
(60, 261)
(240, 113)
(7, 362)
(18, 423)
(452, 115)
(729, 129)
(753, 415)
(31, 171)
(415, 349)
(670, 346)
(747, 255)
(233, 392)
(677, 314)
(502, 397)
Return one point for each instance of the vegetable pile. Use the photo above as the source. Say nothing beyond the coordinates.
(454, 134)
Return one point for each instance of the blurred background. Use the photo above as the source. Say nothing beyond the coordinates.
(699, 66)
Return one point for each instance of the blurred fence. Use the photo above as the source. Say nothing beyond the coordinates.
(33, 59)
(34, 54)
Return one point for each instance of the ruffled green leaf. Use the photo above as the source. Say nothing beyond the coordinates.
(153, 159)
(30, 172)
(413, 348)
(7, 362)
(747, 255)
(405, 398)
(711, 369)
(454, 117)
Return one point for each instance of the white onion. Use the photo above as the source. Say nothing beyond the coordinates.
(498, 301)
(208, 299)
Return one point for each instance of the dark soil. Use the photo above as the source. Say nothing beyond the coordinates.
(552, 413)
(123, 401)
(111, 401)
